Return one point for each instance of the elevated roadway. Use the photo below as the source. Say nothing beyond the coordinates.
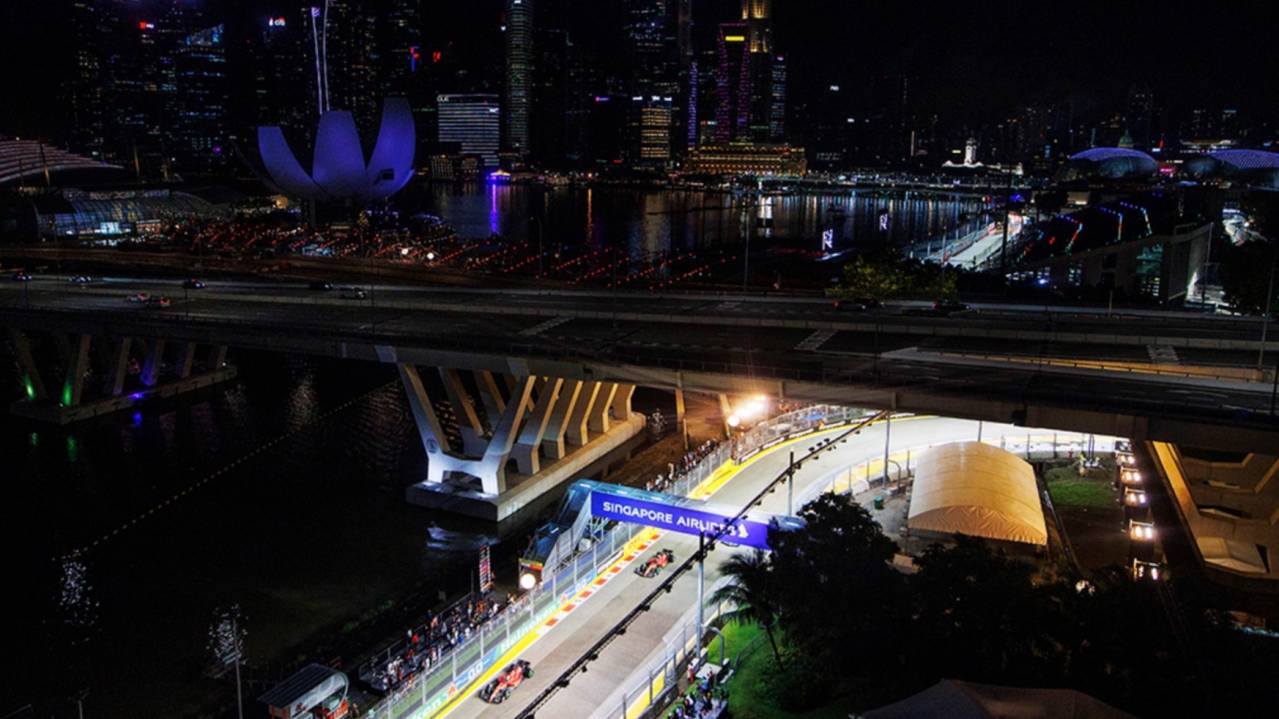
(1169, 376)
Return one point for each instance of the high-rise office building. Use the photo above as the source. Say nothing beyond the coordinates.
(473, 122)
(732, 82)
(83, 90)
(777, 99)
(649, 128)
(653, 35)
(353, 62)
(519, 75)
(197, 114)
(751, 78)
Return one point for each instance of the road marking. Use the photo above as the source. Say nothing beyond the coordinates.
(815, 340)
(541, 327)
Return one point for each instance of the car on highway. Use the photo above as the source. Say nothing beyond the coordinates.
(137, 298)
(192, 283)
(859, 304)
(21, 276)
(320, 285)
(81, 280)
(158, 302)
(946, 307)
(353, 293)
(496, 691)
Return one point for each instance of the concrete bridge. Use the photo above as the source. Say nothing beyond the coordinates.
(513, 381)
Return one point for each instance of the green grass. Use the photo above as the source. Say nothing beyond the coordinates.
(1069, 490)
(747, 696)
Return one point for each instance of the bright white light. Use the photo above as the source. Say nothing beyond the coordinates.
(527, 581)
(734, 420)
(404, 252)
(430, 256)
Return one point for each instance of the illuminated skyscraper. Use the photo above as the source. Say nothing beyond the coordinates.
(751, 78)
(198, 108)
(777, 100)
(84, 87)
(519, 82)
(732, 83)
(653, 36)
(473, 122)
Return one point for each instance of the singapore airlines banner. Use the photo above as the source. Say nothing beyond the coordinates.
(673, 514)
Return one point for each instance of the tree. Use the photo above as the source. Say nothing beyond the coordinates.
(875, 278)
(751, 593)
(980, 615)
(839, 600)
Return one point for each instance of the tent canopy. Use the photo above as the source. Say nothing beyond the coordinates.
(962, 700)
(975, 489)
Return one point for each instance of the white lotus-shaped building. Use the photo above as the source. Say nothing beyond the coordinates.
(338, 167)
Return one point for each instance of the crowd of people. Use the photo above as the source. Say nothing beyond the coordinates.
(675, 472)
(426, 645)
(705, 698)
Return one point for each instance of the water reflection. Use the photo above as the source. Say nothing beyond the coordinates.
(646, 222)
(76, 603)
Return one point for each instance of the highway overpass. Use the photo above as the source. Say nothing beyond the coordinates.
(1166, 376)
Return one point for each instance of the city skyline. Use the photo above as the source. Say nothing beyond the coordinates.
(860, 98)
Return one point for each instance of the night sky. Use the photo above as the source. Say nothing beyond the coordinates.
(969, 62)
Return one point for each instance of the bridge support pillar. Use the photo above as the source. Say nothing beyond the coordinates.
(578, 431)
(599, 417)
(468, 422)
(553, 439)
(530, 439)
(490, 396)
(434, 440)
(110, 357)
(186, 358)
(622, 402)
(154, 358)
(77, 367)
(117, 366)
(31, 380)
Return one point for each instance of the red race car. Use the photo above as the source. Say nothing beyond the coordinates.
(655, 564)
(496, 691)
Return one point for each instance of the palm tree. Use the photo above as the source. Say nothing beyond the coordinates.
(750, 594)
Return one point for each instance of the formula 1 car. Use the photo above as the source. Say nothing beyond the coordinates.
(496, 691)
(656, 564)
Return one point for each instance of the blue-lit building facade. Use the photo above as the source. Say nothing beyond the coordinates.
(472, 123)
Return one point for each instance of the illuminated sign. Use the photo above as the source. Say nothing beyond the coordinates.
(276, 22)
(734, 38)
(676, 518)
(144, 25)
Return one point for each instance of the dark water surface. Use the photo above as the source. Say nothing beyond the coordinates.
(649, 221)
(281, 492)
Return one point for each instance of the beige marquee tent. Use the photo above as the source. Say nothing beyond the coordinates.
(975, 489)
